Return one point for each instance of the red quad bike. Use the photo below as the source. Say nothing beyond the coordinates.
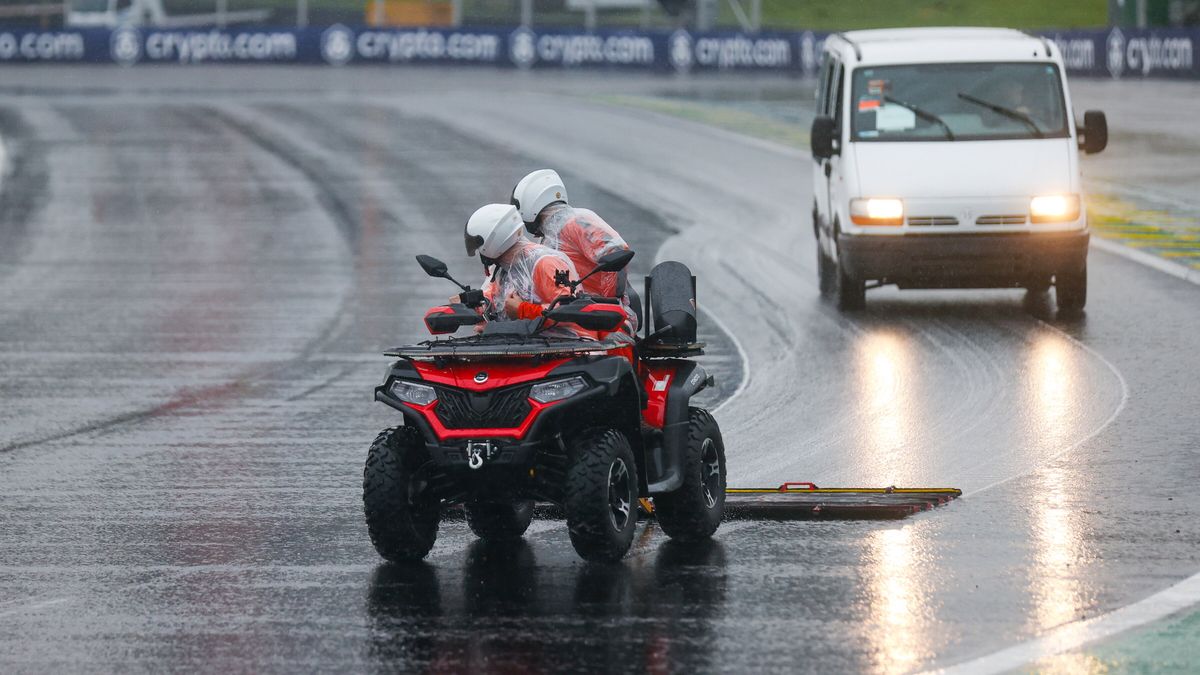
(526, 411)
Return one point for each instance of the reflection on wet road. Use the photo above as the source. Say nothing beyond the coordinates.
(504, 611)
(191, 311)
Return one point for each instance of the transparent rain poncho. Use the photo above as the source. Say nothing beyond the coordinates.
(528, 270)
(585, 238)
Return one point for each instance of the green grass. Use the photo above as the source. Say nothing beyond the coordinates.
(779, 14)
(854, 14)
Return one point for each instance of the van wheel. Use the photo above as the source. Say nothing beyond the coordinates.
(1038, 284)
(850, 293)
(826, 281)
(1070, 290)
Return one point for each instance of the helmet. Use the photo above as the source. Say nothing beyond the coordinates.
(537, 191)
(492, 230)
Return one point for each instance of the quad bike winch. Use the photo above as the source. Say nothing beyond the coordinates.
(529, 411)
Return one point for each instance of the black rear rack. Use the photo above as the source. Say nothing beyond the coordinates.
(669, 350)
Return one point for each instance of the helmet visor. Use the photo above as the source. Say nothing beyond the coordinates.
(473, 241)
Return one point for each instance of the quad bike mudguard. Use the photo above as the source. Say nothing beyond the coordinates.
(670, 385)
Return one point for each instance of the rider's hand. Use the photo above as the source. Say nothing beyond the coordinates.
(455, 299)
(512, 305)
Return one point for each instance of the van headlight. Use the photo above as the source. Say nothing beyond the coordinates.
(557, 390)
(877, 211)
(1054, 208)
(411, 392)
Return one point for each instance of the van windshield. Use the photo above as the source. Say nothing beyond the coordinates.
(957, 102)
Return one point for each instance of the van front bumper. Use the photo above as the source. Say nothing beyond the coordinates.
(963, 260)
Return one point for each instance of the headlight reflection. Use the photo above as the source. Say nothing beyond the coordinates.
(885, 375)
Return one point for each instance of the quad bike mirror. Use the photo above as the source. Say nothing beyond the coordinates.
(588, 315)
(432, 266)
(615, 261)
(609, 262)
(436, 268)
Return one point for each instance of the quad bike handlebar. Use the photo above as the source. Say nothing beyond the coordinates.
(586, 315)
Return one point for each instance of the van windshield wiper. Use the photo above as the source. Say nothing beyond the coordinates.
(923, 114)
(1006, 112)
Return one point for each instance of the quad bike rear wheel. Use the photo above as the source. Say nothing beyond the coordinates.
(601, 494)
(694, 511)
(402, 522)
(499, 521)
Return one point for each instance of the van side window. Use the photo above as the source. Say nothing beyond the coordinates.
(823, 85)
(835, 108)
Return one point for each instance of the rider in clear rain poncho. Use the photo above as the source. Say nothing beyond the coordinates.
(581, 234)
(523, 277)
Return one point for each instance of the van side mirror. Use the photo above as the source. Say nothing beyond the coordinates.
(824, 129)
(1095, 132)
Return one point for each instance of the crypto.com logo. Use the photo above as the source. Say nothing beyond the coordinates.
(337, 45)
(680, 51)
(125, 46)
(522, 48)
(1115, 48)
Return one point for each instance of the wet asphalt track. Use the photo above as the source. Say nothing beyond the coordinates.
(194, 288)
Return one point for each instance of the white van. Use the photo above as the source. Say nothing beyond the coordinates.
(948, 158)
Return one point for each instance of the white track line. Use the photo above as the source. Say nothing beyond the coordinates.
(724, 327)
(33, 606)
(1074, 635)
(1148, 259)
(742, 355)
(1074, 446)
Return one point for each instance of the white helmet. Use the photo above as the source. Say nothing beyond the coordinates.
(537, 191)
(492, 230)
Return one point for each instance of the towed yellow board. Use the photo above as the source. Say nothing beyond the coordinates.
(806, 501)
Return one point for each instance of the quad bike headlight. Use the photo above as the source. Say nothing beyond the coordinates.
(557, 390)
(411, 392)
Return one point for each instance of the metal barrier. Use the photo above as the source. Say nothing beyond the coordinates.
(1115, 52)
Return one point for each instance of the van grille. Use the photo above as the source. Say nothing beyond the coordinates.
(1013, 219)
(505, 409)
(932, 221)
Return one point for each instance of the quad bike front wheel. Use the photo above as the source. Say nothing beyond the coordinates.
(498, 521)
(694, 510)
(601, 494)
(402, 523)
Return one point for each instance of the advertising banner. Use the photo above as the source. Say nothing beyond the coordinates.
(1113, 52)
(1129, 52)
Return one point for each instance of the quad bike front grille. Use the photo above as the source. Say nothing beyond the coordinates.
(504, 409)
